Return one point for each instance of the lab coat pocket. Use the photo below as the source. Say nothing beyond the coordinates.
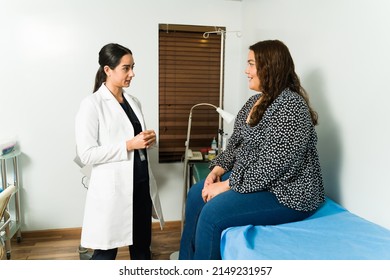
(124, 178)
(102, 182)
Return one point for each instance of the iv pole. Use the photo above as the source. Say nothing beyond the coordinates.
(221, 78)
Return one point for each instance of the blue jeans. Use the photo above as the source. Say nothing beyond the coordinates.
(204, 222)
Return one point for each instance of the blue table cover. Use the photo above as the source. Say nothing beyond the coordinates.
(332, 233)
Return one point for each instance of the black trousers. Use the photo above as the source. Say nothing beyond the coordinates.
(142, 227)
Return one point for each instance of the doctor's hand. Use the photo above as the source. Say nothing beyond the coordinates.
(149, 137)
(141, 141)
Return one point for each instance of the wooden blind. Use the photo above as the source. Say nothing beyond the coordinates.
(189, 73)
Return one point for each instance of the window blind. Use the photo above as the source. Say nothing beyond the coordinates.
(189, 73)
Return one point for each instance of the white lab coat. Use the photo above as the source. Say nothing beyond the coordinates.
(102, 129)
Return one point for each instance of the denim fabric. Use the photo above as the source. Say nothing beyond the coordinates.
(204, 222)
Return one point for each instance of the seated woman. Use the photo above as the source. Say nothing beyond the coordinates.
(270, 172)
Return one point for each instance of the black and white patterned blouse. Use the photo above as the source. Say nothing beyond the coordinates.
(279, 154)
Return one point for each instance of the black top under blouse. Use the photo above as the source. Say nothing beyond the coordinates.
(140, 157)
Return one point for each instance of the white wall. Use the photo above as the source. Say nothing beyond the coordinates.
(341, 52)
(48, 53)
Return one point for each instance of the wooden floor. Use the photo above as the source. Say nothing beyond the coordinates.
(63, 244)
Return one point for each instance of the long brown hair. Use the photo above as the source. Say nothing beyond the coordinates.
(276, 71)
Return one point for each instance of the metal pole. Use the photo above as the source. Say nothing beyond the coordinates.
(17, 196)
(185, 174)
(220, 122)
(4, 173)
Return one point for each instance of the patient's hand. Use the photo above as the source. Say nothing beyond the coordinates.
(212, 190)
(211, 179)
(214, 176)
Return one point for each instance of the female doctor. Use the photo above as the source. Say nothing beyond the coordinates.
(111, 138)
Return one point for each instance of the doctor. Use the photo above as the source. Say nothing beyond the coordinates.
(112, 139)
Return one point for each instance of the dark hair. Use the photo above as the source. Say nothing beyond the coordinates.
(109, 55)
(276, 71)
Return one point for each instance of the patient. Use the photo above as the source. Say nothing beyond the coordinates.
(270, 172)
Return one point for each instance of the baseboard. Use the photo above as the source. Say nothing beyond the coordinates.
(76, 232)
(171, 225)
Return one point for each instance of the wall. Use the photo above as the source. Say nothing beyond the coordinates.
(340, 48)
(48, 53)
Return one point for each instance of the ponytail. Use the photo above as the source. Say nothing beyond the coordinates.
(100, 78)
